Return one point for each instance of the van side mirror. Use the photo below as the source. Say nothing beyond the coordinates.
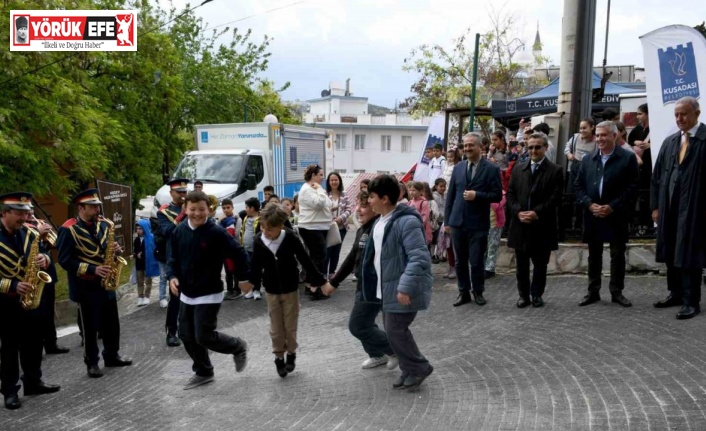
(251, 182)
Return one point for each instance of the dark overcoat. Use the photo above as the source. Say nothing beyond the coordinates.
(690, 249)
(620, 182)
(541, 194)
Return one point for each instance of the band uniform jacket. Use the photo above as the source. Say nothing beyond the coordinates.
(81, 250)
(690, 249)
(14, 250)
(541, 192)
(620, 182)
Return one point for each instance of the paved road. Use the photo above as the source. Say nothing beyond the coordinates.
(562, 367)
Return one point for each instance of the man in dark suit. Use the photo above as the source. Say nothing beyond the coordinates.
(678, 201)
(475, 184)
(533, 198)
(605, 187)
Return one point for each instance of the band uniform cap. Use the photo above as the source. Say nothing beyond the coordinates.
(179, 184)
(21, 22)
(17, 200)
(89, 197)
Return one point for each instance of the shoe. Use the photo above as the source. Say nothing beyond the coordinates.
(537, 302)
(118, 361)
(40, 388)
(229, 296)
(291, 362)
(669, 301)
(451, 275)
(145, 301)
(620, 299)
(241, 358)
(56, 350)
(173, 341)
(140, 302)
(163, 303)
(478, 297)
(281, 367)
(463, 298)
(250, 295)
(443, 259)
(354, 278)
(256, 295)
(94, 371)
(489, 274)
(687, 312)
(374, 362)
(435, 260)
(399, 383)
(197, 380)
(589, 299)
(523, 302)
(393, 362)
(12, 402)
(318, 295)
(413, 382)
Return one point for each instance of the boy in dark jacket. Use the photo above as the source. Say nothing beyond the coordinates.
(362, 320)
(195, 255)
(276, 251)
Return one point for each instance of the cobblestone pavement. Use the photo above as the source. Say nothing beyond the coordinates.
(562, 367)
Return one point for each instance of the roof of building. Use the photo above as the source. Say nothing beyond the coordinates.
(537, 41)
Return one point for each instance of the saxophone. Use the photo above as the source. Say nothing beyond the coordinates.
(116, 263)
(34, 277)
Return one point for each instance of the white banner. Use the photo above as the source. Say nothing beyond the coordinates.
(435, 135)
(675, 67)
(73, 30)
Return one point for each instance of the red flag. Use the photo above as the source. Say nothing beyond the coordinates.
(409, 175)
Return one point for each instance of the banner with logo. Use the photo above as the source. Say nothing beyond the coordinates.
(73, 30)
(117, 206)
(435, 135)
(675, 67)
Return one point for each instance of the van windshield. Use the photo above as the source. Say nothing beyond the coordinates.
(212, 168)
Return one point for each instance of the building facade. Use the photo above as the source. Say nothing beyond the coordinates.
(362, 142)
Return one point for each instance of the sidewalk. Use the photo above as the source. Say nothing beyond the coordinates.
(562, 367)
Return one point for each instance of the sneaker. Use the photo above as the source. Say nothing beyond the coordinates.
(281, 367)
(354, 278)
(256, 295)
(241, 359)
(197, 380)
(375, 362)
(163, 303)
(412, 383)
(140, 302)
(451, 275)
(392, 362)
(291, 359)
(229, 296)
(145, 301)
(250, 295)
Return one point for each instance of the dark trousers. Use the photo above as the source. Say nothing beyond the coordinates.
(617, 267)
(231, 283)
(412, 362)
(99, 312)
(470, 247)
(363, 327)
(540, 259)
(20, 344)
(172, 313)
(197, 329)
(333, 254)
(48, 330)
(315, 242)
(685, 284)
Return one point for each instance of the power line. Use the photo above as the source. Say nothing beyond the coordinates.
(74, 54)
(257, 14)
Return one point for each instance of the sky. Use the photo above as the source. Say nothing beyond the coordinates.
(318, 41)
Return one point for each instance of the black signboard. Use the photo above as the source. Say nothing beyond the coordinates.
(117, 206)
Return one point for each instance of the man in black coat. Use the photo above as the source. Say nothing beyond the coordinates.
(533, 198)
(678, 201)
(475, 184)
(605, 187)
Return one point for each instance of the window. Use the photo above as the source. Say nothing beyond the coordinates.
(341, 171)
(359, 142)
(341, 142)
(385, 142)
(383, 172)
(406, 144)
(358, 171)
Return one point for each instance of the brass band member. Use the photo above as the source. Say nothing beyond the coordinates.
(20, 329)
(48, 331)
(82, 246)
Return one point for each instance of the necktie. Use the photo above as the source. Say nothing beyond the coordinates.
(472, 169)
(684, 146)
(534, 168)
